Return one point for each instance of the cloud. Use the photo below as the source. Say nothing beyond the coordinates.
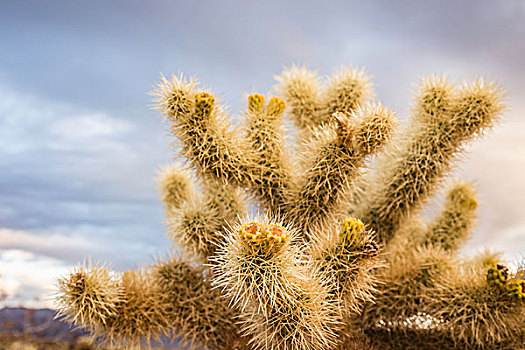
(74, 243)
(31, 262)
(56, 245)
(76, 182)
(57, 156)
(85, 130)
(22, 284)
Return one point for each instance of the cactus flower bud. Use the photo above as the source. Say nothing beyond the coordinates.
(517, 289)
(497, 275)
(351, 231)
(256, 103)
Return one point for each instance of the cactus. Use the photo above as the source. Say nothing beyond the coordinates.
(319, 246)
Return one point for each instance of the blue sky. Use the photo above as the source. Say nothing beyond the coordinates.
(79, 145)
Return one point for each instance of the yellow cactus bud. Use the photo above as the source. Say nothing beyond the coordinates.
(256, 103)
(471, 203)
(277, 234)
(255, 234)
(252, 232)
(497, 275)
(517, 289)
(351, 231)
(276, 107)
(204, 104)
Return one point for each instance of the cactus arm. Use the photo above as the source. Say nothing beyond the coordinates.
(347, 89)
(479, 314)
(408, 278)
(335, 155)
(116, 308)
(172, 299)
(205, 133)
(266, 138)
(347, 257)
(89, 296)
(301, 90)
(452, 227)
(175, 186)
(197, 224)
(197, 312)
(311, 106)
(413, 168)
(464, 305)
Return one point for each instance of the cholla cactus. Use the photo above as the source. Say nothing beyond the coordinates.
(317, 246)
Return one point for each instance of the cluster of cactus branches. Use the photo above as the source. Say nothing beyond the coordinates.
(299, 227)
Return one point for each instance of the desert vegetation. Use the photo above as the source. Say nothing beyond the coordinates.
(299, 226)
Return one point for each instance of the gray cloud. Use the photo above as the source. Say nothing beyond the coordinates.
(75, 172)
